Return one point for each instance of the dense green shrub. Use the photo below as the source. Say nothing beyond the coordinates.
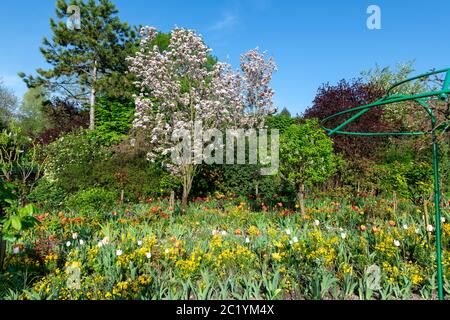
(47, 194)
(113, 119)
(280, 122)
(412, 180)
(72, 158)
(306, 157)
(92, 199)
(136, 176)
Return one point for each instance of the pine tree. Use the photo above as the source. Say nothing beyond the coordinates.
(89, 60)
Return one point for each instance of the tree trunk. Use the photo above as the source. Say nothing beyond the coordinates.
(122, 196)
(92, 98)
(257, 189)
(301, 199)
(2, 248)
(184, 200)
(188, 175)
(172, 199)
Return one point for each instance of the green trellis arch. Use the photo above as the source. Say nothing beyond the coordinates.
(423, 99)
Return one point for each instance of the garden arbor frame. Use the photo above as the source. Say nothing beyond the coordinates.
(443, 94)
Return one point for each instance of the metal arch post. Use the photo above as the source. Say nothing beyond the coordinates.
(443, 94)
(437, 200)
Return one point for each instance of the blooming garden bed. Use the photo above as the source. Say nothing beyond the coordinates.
(224, 249)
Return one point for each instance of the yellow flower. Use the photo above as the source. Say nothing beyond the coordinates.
(254, 231)
(276, 256)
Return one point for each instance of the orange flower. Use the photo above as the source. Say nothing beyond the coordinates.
(363, 228)
(375, 229)
(392, 223)
(238, 232)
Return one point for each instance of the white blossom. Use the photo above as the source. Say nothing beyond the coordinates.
(177, 88)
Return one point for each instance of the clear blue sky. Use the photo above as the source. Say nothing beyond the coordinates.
(312, 41)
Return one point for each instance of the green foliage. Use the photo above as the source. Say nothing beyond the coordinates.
(281, 122)
(412, 180)
(135, 176)
(8, 102)
(32, 117)
(7, 194)
(91, 200)
(47, 194)
(91, 60)
(306, 154)
(17, 221)
(71, 160)
(114, 119)
(285, 112)
(80, 161)
(21, 160)
(386, 77)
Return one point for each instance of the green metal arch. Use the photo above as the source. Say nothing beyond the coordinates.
(443, 94)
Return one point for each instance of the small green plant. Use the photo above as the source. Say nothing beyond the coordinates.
(17, 221)
(92, 200)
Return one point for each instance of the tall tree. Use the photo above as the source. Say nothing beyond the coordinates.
(307, 157)
(180, 87)
(89, 60)
(345, 95)
(8, 102)
(32, 117)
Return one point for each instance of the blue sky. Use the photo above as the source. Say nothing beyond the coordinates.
(312, 41)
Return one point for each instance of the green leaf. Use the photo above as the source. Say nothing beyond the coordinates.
(16, 223)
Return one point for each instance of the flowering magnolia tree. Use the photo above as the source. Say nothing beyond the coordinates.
(179, 89)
